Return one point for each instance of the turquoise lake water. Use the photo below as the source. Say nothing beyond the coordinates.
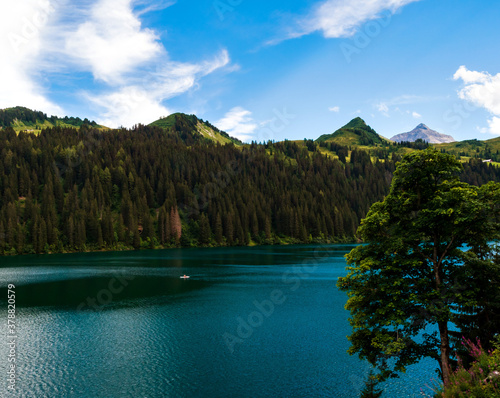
(249, 322)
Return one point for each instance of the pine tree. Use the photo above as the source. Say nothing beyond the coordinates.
(41, 236)
(175, 224)
(370, 390)
(267, 228)
(147, 225)
(136, 241)
(229, 228)
(19, 239)
(218, 229)
(164, 230)
(120, 229)
(204, 230)
(107, 228)
(70, 231)
(2, 237)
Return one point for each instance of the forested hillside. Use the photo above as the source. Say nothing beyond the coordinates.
(86, 189)
(21, 118)
(182, 123)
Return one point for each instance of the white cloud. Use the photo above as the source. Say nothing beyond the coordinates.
(343, 18)
(129, 106)
(469, 76)
(494, 125)
(22, 28)
(142, 102)
(118, 51)
(238, 122)
(150, 7)
(383, 108)
(416, 115)
(41, 39)
(335, 109)
(483, 90)
(112, 41)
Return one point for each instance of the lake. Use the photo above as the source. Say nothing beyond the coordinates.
(249, 322)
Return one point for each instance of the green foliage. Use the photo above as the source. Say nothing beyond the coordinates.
(181, 123)
(416, 268)
(86, 189)
(489, 149)
(370, 390)
(356, 132)
(480, 380)
(22, 118)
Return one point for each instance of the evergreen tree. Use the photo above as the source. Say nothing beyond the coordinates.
(416, 269)
(218, 229)
(204, 230)
(370, 390)
(175, 224)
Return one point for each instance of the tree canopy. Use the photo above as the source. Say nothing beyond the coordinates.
(85, 189)
(418, 273)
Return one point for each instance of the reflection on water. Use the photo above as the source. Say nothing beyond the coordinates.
(99, 291)
(125, 325)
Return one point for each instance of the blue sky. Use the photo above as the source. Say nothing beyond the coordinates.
(258, 69)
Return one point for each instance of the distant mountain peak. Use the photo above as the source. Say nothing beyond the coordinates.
(356, 132)
(423, 132)
(357, 122)
(422, 126)
(181, 122)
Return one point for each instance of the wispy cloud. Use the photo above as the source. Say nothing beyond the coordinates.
(483, 90)
(142, 102)
(106, 39)
(335, 109)
(238, 122)
(134, 64)
(393, 104)
(340, 18)
(143, 7)
(112, 41)
(22, 27)
(383, 108)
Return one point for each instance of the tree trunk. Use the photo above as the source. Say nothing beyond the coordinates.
(444, 361)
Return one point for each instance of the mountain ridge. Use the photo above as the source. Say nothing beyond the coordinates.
(424, 133)
(179, 122)
(356, 132)
(21, 118)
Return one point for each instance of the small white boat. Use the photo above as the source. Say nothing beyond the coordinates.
(184, 277)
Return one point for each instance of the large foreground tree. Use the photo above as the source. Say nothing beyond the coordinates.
(407, 287)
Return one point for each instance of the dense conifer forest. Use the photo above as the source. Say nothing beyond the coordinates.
(83, 189)
(11, 116)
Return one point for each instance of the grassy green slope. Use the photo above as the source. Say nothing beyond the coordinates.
(357, 133)
(24, 119)
(465, 150)
(178, 121)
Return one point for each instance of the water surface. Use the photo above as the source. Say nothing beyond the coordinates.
(250, 322)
